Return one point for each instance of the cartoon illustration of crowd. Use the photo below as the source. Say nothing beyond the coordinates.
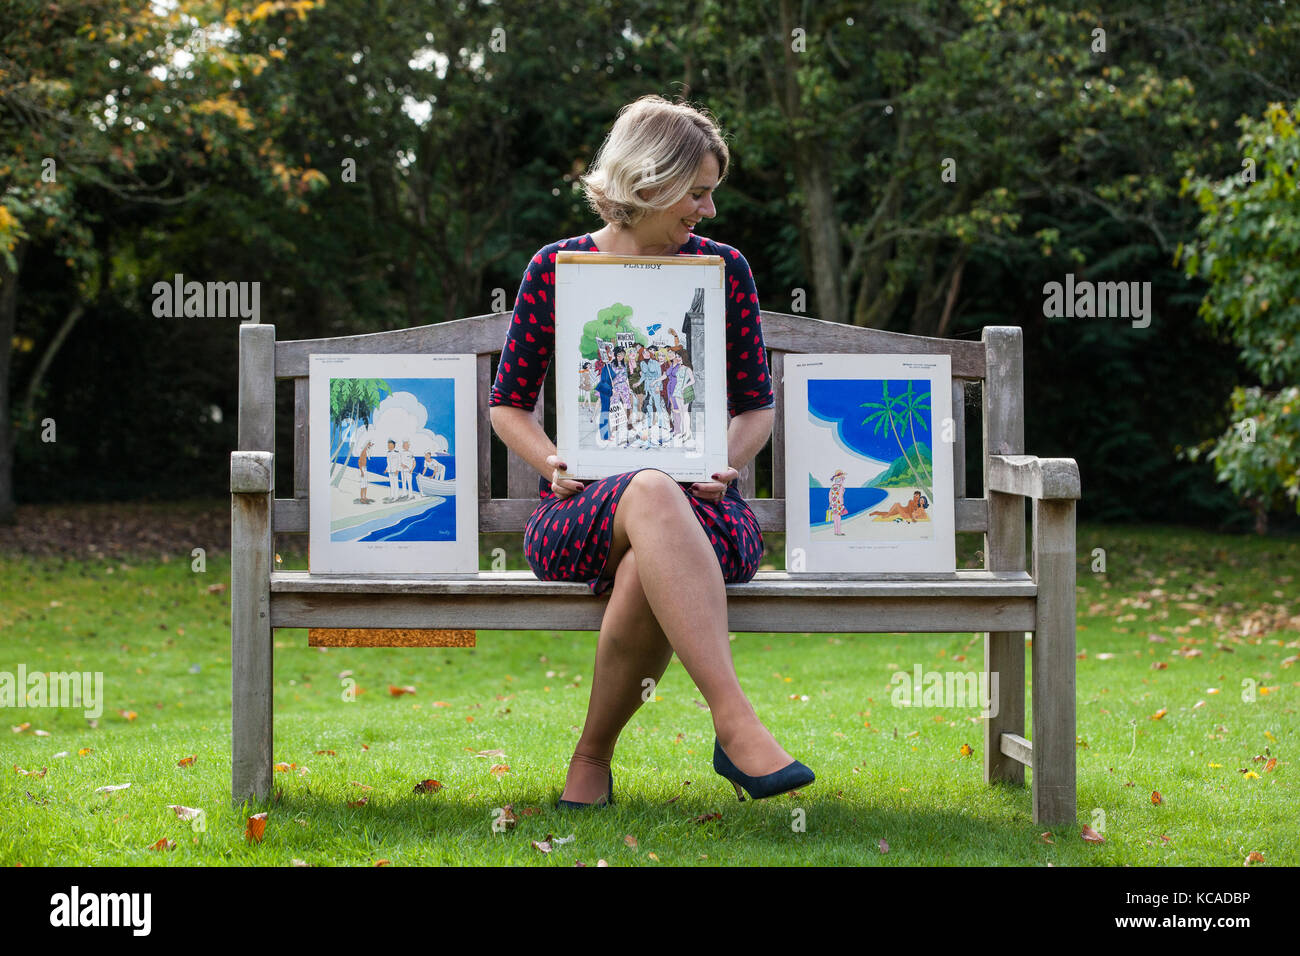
(636, 393)
(402, 469)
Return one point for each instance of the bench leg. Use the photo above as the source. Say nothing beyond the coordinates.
(251, 647)
(1004, 673)
(1053, 664)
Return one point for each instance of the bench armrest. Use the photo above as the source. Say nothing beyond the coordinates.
(1033, 477)
(251, 472)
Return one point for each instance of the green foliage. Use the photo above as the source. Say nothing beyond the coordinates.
(1247, 245)
(608, 322)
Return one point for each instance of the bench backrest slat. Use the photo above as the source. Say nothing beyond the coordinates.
(994, 364)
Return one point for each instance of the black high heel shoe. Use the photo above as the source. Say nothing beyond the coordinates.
(790, 777)
(573, 805)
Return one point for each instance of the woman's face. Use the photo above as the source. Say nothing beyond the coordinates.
(674, 225)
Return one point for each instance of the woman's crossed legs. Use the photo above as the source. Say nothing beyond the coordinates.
(668, 595)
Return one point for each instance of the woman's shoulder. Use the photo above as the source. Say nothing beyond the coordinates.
(546, 254)
(704, 246)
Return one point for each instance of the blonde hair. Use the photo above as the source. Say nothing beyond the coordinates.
(656, 146)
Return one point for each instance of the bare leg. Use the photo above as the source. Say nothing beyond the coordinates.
(632, 647)
(684, 587)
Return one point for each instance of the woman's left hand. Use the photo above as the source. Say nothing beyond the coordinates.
(714, 490)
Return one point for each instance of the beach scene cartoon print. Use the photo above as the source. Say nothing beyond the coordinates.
(392, 467)
(871, 472)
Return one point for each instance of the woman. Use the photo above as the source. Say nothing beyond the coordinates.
(912, 512)
(837, 498)
(666, 549)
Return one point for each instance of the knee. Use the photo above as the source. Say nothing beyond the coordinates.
(656, 485)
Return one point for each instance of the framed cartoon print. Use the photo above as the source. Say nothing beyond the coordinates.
(393, 474)
(640, 364)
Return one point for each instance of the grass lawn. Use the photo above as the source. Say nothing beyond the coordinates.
(1172, 637)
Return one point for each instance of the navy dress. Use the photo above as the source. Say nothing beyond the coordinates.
(568, 539)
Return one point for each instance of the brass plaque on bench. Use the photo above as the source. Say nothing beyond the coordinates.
(389, 637)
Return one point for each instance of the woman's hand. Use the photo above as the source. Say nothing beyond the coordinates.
(563, 487)
(714, 490)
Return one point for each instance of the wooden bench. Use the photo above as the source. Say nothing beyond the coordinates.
(1002, 599)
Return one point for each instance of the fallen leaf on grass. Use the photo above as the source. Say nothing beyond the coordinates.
(1160, 713)
(186, 761)
(1160, 666)
(1254, 857)
(381, 863)
(164, 844)
(1046, 837)
(363, 786)
(544, 845)
(708, 817)
(30, 773)
(399, 691)
(285, 767)
(428, 786)
(46, 733)
(1156, 798)
(532, 812)
(966, 750)
(297, 862)
(1091, 836)
(256, 827)
(84, 752)
(631, 841)
(601, 863)
(128, 714)
(505, 820)
(1270, 765)
(21, 727)
(326, 753)
(653, 856)
(884, 846)
(112, 788)
(490, 753)
(499, 770)
(185, 813)
(353, 804)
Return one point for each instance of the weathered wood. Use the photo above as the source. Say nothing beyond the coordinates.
(1018, 749)
(389, 637)
(478, 335)
(521, 477)
(1004, 544)
(777, 363)
(579, 611)
(251, 647)
(799, 333)
(746, 483)
(510, 515)
(1033, 477)
(959, 437)
(483, 366)
(251, 472)
(1053, 663)
(256, 388)
(301, 442)
(524, 586)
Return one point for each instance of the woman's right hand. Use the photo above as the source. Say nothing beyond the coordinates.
(563, 487)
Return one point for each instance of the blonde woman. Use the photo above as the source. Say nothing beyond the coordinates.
(665, 549)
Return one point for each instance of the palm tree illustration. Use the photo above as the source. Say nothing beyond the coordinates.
(353, 399)
(886, 409)
(916, 405)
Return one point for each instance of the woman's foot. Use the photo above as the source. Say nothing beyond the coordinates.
(587, 781)
(753, 749)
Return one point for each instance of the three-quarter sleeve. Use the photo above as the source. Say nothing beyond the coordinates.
(749, 380)
(530, 338)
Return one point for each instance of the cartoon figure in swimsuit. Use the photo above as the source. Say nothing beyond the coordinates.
(911, 512)
(837, 508)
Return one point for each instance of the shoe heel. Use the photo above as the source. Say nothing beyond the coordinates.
(740, 794)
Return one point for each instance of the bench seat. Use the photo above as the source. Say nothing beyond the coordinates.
(774, 601)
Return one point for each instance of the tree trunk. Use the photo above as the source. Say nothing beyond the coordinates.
(8, 324)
